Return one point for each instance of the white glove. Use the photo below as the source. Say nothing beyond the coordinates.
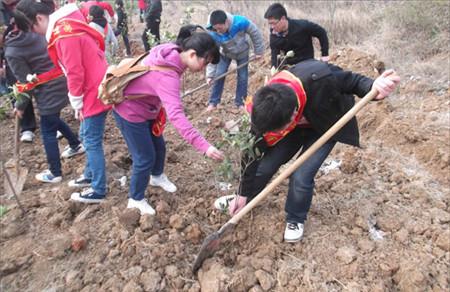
(214, 153)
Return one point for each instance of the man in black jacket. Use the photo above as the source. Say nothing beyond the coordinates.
(152, 20)
(290, 114)
(296, 35)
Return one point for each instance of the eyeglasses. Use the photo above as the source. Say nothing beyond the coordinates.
(273, 23)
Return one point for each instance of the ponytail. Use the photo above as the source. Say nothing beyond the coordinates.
(194, 37)
(26, 11)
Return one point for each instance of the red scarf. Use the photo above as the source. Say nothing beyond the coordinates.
(289, 79)
(67, 27)
(64, 27)
(160, 123)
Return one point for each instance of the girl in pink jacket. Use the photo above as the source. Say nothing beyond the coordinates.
(78, 50)
(140, 120)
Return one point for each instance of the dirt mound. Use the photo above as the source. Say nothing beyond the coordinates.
(379, 220)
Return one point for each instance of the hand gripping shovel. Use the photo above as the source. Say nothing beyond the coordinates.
(15, 175)
(211, 243)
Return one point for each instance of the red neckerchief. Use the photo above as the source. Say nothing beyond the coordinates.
(289, 79)
(67, 27)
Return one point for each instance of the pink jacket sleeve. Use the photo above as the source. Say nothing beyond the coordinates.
(69, 53)
(168, 90)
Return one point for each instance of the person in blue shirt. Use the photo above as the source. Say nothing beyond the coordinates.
(232, 33)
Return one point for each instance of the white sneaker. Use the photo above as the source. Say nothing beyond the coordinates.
(48, 177)
(80, 182)
(27, 136)
(163, 182)
(143, 206)
(69, 152)
(293, 232)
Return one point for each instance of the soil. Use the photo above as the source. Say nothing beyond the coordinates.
(379, 219)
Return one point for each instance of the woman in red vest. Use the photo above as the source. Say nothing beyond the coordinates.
(78, 50)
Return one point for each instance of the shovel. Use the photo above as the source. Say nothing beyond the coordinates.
(15, 175)
(211, 243)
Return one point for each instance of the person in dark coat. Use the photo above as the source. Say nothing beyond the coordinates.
(153, 20)
(122, 25)
(291, 113)
(287, 34)
(26, 53)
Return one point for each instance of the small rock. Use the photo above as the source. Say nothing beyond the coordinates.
(243, 279)
(86, 214)
(176, 222)
(265, 279)
(113, 253)
(162, 207)
(256, 288)
(11, 229)
(193, 233)
(146, 222)
(132, 286)
(366, 245)
(56, 219)
(132, 273)
(12, 266)
(213, 276)
(171, 271)
(195, 287)
(151, 281)
(440, 216)
(411, 277)
(130, 219)
(402, 235)
(346, 254)
(443, 240)
(78, 243)
(172, 157)
(389, 223)
(58, 246)
(71, 277)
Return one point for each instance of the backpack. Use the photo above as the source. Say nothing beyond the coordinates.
(118, 76)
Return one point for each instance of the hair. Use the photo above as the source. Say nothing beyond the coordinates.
(273, 106)
(276, 11)
(217, 17)
(119, 3)
(98, 15)
(189, 37)
(26, 11)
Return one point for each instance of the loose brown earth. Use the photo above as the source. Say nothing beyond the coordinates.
(396, 185)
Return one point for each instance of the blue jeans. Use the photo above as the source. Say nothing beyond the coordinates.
(242, 81)
(301, 182)
(148, 153)
(50, 124)
(91, 134)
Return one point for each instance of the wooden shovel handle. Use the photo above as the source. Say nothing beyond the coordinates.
(17, 142)
(321, 141)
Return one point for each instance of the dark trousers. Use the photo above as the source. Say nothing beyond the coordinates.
(126, 42)
(153, 28)
(28, 120)
(301, 182)
(148, 153)
(49, 125)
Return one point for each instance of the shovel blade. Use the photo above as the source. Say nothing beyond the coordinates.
(18, 178)
(211, 244)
